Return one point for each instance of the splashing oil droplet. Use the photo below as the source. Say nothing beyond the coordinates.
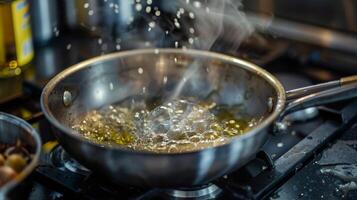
(138, 7)
(157, 13)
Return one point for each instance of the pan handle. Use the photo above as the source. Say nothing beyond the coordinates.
(316, 95)
(302, 92)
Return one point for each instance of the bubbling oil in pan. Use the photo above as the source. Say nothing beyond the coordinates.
(170, 127)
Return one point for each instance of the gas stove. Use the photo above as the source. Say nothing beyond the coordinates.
(315, 158)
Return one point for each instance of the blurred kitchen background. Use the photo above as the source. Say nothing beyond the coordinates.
(300, 42)
(64, 32)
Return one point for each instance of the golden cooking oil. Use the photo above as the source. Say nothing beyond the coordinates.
(16, 49)
(198, 125)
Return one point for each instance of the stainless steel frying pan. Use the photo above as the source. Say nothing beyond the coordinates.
(223, 79)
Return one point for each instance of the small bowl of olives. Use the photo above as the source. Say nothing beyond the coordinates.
(20, 147)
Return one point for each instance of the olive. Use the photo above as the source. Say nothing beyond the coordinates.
(16, 161)
(2, 160)
(6, 174)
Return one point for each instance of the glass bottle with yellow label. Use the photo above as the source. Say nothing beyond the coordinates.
(16, 48)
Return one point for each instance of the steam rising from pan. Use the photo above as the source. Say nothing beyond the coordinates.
(213, 19)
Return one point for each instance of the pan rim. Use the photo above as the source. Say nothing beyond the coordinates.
(237, 62)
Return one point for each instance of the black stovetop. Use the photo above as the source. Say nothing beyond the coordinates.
(315, 158)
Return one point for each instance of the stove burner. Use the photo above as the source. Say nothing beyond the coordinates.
(61, 159)
(205, 192)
